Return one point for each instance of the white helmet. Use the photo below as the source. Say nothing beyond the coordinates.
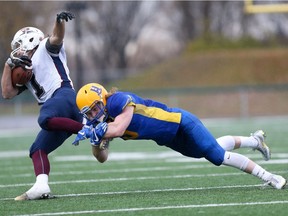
(26, 39)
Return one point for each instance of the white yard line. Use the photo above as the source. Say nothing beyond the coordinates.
(126, 179)
(5, 186)
(124, 170)
(126, 156)
(160, 208)
(19, 132)
(170, 157)
(129, 170)
(152, 191)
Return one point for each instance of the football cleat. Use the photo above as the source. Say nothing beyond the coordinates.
(25, 197)
(259, 135)
(36, 192)
(277, 181)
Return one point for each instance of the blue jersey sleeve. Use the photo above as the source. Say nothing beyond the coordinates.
(117, 102)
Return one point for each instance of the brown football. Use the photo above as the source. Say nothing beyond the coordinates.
(21, 76)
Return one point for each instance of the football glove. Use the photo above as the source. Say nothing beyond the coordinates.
(23, 61)
(83, 134)
(98, 133)
(64, 16)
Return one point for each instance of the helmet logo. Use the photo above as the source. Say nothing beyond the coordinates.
(96, 89)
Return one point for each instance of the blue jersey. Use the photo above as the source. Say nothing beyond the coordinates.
(151, 119)
(172, 127)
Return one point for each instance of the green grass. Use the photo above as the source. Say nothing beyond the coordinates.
(141, 178)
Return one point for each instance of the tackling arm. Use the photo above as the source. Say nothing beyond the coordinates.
(120, 124)
(105, 130)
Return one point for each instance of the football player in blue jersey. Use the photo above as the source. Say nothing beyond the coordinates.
(128, 116)
(52, 87)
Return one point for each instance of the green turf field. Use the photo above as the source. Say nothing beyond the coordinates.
(141, 178)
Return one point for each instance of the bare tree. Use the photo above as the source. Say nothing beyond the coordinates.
(13, 17)
(113, 32)
(188, 19)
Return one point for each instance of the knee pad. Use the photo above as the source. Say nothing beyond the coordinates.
(43, 121)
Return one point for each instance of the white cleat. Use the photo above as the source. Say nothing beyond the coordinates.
(36, 192)
(277, 181)
(259, 135)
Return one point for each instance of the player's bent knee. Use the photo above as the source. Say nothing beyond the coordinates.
(216, 155)
(43, 122)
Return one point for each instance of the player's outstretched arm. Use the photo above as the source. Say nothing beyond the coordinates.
(59, 27)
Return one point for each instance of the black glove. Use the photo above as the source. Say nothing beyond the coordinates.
(23, 61)
(64, 16)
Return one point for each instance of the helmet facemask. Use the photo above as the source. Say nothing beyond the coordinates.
(91, 99)
(101, 116)
(25, 40)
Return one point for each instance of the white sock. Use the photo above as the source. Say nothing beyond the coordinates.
(236, 160)
(41, 186)
(248, 142)
(241, 162)
(42, 179)
(261, 173)
(226, 142)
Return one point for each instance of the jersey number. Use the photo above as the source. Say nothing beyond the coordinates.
(128, 135)
(39, 91)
